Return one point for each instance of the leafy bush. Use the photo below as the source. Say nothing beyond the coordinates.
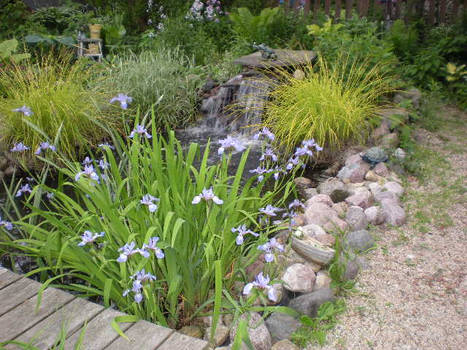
(331, 105)
(13, 15)
(8, 53)
(62, 105)
(165, 74)
(197, 248)
(250, 28)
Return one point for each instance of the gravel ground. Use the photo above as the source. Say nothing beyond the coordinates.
(413, 295)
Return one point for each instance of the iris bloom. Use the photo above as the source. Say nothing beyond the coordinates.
(296, 204)
(139, 278)
(19, 147)
(269, 248)
(8, 225)
(89, 237)
(264, 132)
(269, 210)
(230, 144)
(87, 161)
(260, 171)
(43, 147)
(123, 99)
(128, 250)
(50, 195)
(106, 144)
(152, 245)
(268, 154)
(25, 188)
(149, 201)
(140, 130)
(144, 276)
(292, 162)
(242, 231)
(89, 172)
(261, 282)
(207, 195)
(103, 164)
(25, 110)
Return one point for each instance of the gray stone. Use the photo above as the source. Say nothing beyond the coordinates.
(359, 240)
(413, 95)
(324, 216)
(281, 326)
(220, 335)
(192, 331)
(356, 218)
(381, 130)
(257, 331)
(309, 192)
(392, 212)
(301, 184)
(330, 185)
(309, 304)
(285, 58)
(327, 240)
(311, 230)
(319, 198)
(338, 196)
(322, 280)
(372, 176)
(353, 159)
(381, 169)
(354, 172)
(299, 278)
(400, 154)
(362, 198)
(390, 140)
(340, 208)
(394, 187)
(374, 215)
(352, 269)
(285, 344)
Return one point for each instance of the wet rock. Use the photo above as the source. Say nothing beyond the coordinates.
(299, 278)
(356, 218)
(330, 185)
(394, 187)
(390, 140)
(340, 208)
(281, 326)
(362, 198)
(309, 192)
(308, 304)
(9, 171)
(301, 184)
(354, 172)
(322, 215)
(381, 169)
(319, 198)
(322, 280)
(359, 241)
(220, 335)
(192, 331)
(285, 344)
(257, 331)
(393, 213)
(374, 215)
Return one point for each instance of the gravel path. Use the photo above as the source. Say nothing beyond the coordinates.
(413, 295)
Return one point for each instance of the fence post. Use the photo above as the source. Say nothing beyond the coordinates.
(431, 12)
(306, 9)
(338, 10)
(327, 7)
(316, 8)
(348, 9)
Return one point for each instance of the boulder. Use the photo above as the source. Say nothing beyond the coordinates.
(220, 335)
(192, 331)
(330, 185)
(354, 172)
(310, 231)
(281, 326)
(359, 241)
(340, 208)
(313, 250)
(309, 192)
(414, 95)
(302, 183)
(373, 177)
(381, 130)
(257, 331)
(327, 240)
(353, 159)
(390, 140)
(285, 344)
(362, 198)
(388, 196)
(356, 218)
(322, 280)
(381, 169)
(394, 187)
(319, 198)
(400, 154)
(322, 215)
(308, 304)
(352, 268)
(374, 215)
(393, 213)
(299, 278)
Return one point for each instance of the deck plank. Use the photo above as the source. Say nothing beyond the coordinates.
(16, 293)
(69, 318)
(183, 342)
(7, 277)
(143, 336)
(21, 318)
(99, 333)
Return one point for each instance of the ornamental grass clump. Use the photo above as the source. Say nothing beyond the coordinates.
(51, 101)
(330, 104)
(152, 233)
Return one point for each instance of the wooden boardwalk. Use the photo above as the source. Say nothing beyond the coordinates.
(64, 312)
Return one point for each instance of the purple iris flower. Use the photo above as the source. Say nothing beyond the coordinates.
(261, 282)
(152, 245)
(106, 144)
(50, 195)
(123, 99)
(264, 132)
(296, 204)
(207, 195)
(128, 250)
(43, 147)
(140, 130)
(268, 154)
(303, 151)
(149, 201)
(292, 162)
(260, 171)
(230, 144)
(143, 276)
(139, 278)
(19, 147)
(269, 248)
(89, 237)
(269, 210)
(103, 164)
(8, 225)
(25, 188)
(25, 110)
(89, 172)
(87, 161)
(242, 231)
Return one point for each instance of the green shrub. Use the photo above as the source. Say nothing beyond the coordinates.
(331, 105)
(63, 106)
(197, 240)
(165, 74)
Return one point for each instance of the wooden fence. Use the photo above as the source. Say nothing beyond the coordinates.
(433, 11)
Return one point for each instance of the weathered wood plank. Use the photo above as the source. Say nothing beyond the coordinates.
(99, 333)
(21, 318)
(7, 277)
(67, 319)
(16, 293)
(183, 342)
(143, 336)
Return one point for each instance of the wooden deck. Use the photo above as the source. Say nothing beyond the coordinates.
(64, 312)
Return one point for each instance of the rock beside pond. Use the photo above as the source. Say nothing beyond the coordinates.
(220, 335)
(302, 183)
(362, 198)
(340, 208)
(359, 241)
(322, 215)
(299, 278)
(281, 326)
(356, 218)
(322, 280)
(320, 198)
(354, 172)
(381, 169)
(390, 140)
(330, 185)
(394, 187)
(285, 345)
(257, 331)
(392, 212)
(308, 304)
(192, 331)
(374, 215)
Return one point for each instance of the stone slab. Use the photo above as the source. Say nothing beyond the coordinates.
(16, 293)
(183, 342)
(143, 335)
(285, 58)
(22, 317)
